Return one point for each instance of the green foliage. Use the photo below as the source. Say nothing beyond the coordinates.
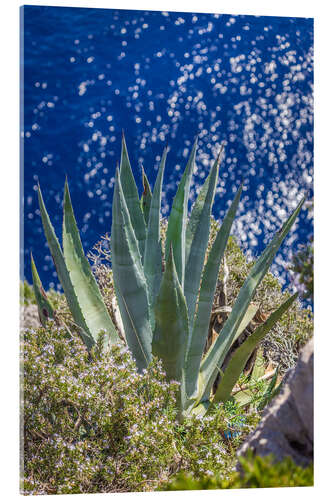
(255, 393)
(92, 423)
(271, 390)
(78, 282)
(240, 357)
(27, 295)
(45, 309)
(257, 472)
(284, 341)
(146, 297)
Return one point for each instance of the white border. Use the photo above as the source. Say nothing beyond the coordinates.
(323, 230)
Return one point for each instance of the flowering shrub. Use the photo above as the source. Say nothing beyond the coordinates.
(81, 417)
(93, 424)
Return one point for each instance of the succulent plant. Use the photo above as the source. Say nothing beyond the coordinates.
(166, 312)
(45, 309)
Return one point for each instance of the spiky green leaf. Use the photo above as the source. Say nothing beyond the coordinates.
(256, 275)
(146, 197)
(205, 386)
(238, 361)
(197, 235)
(63, 274)
(132, 198)
(45, 309)
(171, 323)
(131, 287)
(176, 232)
(259, 366)
(84, 283)
(153, 247)
(199, 334)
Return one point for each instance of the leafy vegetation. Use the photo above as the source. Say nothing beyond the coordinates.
(119, 403)
(92, 423)
(164, 313)
(27, 295)
(284, 341)
(256, 472)
(62, 457)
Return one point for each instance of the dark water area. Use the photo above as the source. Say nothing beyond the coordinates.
(245, 80)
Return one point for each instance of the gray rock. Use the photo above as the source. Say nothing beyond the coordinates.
(287, 424)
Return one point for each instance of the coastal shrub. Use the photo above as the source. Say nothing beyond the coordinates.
(92, 423)
(256, 472)
(62, 456)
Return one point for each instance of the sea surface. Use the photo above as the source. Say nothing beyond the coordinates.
(165, 77)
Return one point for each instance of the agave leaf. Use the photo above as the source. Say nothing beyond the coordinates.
(176, 232)
(243, 398)
(131, 287)
(197, 235)
(259, 366)
(63, 274)
(199, 333)
(171, 323)
(240, 357)
(132, 198)
(197, 208)
(146, 197)
(86, 289)
(200, 410)
(45, 309)
(153, 247)
(204, 386)
(217, 353)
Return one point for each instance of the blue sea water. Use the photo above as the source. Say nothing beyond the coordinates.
(165, 76)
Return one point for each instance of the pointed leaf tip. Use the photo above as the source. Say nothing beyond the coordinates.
(89, 308)
(171, 251)
(219, 157)
(45, 309)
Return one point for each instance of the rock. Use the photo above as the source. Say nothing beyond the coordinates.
(287, 424)
(29, 317)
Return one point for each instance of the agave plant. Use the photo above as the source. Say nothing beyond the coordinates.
(165, 297)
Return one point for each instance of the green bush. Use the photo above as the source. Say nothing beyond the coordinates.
(93, 424)
(257, 472)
